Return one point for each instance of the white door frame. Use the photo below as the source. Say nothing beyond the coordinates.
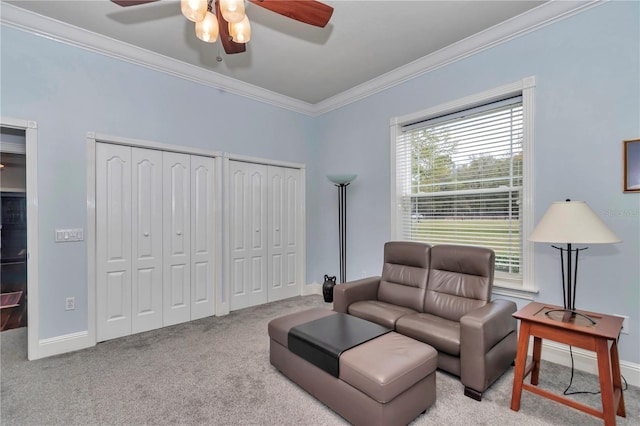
(31, 159)
(92, 139)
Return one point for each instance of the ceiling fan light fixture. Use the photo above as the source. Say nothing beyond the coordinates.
(232, 10)
(240, 32)
(194, 10)
(207, 30)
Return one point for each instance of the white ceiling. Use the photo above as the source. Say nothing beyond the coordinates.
(363, 41)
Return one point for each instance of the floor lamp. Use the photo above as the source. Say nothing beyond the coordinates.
(341, 182)
(571, 222)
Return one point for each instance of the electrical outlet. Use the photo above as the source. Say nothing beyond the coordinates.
(70, 304)
(625, 323)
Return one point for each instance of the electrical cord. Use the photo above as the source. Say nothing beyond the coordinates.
(566, 391)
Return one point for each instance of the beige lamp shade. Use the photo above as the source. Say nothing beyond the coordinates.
(572, 222)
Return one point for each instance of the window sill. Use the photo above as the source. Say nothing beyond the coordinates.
(519, 292)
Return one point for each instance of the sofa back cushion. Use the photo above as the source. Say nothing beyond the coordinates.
(404, 274)
(460, 280)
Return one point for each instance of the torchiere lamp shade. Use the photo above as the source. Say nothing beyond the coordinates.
(341, 179)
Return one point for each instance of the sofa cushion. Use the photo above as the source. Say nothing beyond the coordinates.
(385, 314)
(441, 333)
(460, 280)
(404, 274)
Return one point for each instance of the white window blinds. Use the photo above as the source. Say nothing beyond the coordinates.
(459, 179)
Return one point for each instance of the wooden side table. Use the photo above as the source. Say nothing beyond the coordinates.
(600, 337)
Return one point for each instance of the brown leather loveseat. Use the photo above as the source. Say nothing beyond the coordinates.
(440, 295)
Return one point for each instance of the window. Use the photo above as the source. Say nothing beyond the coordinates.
(461, 177)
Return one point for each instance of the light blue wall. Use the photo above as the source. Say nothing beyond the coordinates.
(587, 70)
(69, 91)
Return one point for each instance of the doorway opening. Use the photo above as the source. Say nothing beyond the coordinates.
(13, 229)
(19, 144)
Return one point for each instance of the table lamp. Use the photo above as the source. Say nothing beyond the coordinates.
(571, 222)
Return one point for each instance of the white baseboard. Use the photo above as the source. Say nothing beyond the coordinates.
(62, 344)
(584, 360)
(313, 288)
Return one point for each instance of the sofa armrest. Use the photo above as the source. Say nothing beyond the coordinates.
(487, 343)
(354, 291)
(482, 328)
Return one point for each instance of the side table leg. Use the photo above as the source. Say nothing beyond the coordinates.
(617, 381)
(537, 351)
(606, 384)
(521, 361)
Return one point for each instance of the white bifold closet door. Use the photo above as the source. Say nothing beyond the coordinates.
(146, 240)
(248, 234)
(264, 239)
(155, 239)
(284, 198)
(202, 243)
(113, 241)
(176, 215)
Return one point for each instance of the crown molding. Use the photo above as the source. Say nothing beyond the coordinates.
(529, 21)
(510, 29)
(34, 23)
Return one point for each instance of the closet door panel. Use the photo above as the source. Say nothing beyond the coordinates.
(117, 289)
(146, 239)
(239, 228)
(203, 237)
(239, 270)
(258, 271)
(284, 199)
(292, 281)
(113, 241)
(176, 216)
(248, 236)
(258, 209)
(277, 233)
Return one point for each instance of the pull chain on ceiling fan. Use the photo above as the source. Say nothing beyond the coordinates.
(227, 18)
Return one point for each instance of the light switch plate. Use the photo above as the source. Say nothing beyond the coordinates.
(69, 235)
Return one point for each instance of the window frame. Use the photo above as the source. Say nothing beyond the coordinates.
(526, 88)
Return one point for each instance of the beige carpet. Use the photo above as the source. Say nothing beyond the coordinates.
(216, 371)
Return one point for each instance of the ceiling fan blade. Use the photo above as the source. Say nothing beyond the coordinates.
(125, 3)
(308, 11)
(230, 46)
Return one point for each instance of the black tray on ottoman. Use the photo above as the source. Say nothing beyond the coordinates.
(323, 340)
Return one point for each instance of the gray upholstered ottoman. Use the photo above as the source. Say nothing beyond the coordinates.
(388, 380)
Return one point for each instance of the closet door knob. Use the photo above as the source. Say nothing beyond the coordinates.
(146, 234)
(179, 233)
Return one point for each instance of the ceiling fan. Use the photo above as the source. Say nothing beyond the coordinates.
(307, 11)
